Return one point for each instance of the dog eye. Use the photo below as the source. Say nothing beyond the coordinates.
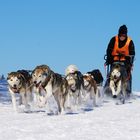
(45, 74)
(39, 76)
(11, 80)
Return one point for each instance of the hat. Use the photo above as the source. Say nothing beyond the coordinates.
(123, 30)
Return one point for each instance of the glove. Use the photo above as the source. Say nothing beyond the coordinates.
(109, 60)
(129, 60)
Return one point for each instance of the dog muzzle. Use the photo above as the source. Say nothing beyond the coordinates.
(15, 89)
(37, 85)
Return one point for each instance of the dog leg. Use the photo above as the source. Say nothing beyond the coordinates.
(99, 98)
(121, 92)
(83, 96)
(13, 96)
(20, 101)
(49, 95)
(124, 93)
(96, 97)
(92, 97)
(36, 99)
(76, 101)
(80, 97)
(112, 87)
(94, 101)
(39, 100)
(48, 89)
(58, 100)
(62, 104)
(42, 98)
(29, 97)
(69, 99)
(119, 88)
(24, 99)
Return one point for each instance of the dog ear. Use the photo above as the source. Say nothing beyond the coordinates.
(32, 72)
(89, 74)
(8, 74)
(21, 76)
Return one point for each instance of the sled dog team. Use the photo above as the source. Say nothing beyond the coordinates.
(38, 87)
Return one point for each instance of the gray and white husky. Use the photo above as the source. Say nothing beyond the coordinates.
(50, 84)
(20, 83)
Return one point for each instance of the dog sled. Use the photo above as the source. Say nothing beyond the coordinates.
(125, 76)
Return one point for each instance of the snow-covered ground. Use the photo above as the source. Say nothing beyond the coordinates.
(108, 122)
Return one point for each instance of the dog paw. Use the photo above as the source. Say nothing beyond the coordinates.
(51, 112)
(122, 100)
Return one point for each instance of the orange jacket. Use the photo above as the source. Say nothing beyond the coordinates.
(124, 51)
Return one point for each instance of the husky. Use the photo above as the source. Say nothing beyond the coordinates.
(20, 83)
(118, 82)
(91, 88)
(75, 89)
(50, 84)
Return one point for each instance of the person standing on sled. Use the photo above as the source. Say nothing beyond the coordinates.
(121, 49)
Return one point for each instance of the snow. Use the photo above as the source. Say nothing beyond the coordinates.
(108, 122)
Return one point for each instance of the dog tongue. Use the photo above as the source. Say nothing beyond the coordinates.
(15, 90)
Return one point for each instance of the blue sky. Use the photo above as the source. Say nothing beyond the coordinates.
(63, 32)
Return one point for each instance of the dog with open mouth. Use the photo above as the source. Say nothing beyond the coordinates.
(48, 84)
(19, 82)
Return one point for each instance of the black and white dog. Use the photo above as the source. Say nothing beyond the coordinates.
(75, 86)
(119, 82)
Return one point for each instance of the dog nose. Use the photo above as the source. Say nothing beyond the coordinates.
(35, 82)
(15, 85)
(114, 96)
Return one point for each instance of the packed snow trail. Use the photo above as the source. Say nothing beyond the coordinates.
(108, 122)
